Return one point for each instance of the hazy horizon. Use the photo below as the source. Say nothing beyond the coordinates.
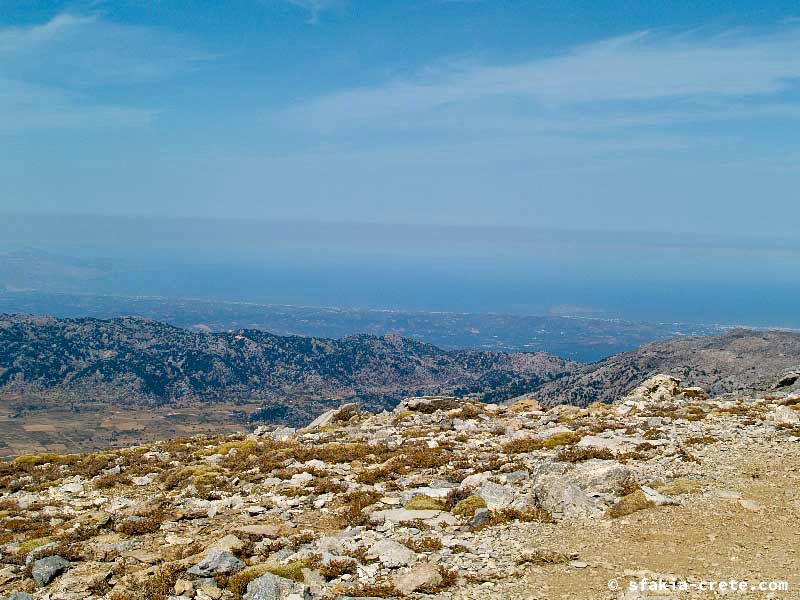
(625, 275)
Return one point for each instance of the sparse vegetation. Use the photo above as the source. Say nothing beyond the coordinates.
(701, 440)
(678, 487)
(449, 578)
(238, 582)
(507, 515)
(423, 543)
(354, 504)
(370, 590)
(542, 557)
(159, 585)
(291, 570)
(302, 508)
(423, 502)
(337, 567)
(468, 506)
(525, 445)
(575, 454)
(109, 480)
(629, 504)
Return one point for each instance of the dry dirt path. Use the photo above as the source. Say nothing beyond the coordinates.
(712, 536)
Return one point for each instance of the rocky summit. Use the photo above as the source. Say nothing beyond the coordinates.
(440, 498)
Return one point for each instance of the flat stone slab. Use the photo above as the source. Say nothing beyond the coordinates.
(270, 531)
(404, 515)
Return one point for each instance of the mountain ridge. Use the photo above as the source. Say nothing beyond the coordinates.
(146, 361)
(738, 361)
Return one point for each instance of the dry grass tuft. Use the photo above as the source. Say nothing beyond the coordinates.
(629, 504)
(367, 590)
(574, 454)
(110, 480)
(697, 440)
(423, 502)
(291, 570)
(449, 578)
(337, 567)
(532, 444)
(238, 582)
(468, 506)
(680, 486)
(542, 557)
(353, 505)
(506, 515)
(159, 585)
(423, 544)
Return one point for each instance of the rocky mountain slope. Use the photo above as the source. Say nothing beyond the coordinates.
(739, 361)
(441, 498)
(133, 360)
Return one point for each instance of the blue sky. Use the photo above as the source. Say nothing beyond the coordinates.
(642, 116)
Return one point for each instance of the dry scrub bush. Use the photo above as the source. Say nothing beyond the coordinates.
(575, 454)
(337, 567)
(506, 515)
(423, 544)
(629, 504)
(526, 445)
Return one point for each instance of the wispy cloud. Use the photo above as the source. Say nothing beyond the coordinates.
(88, 50)
(49, 72)
(25, 107)
(644, 76)
(315, 7)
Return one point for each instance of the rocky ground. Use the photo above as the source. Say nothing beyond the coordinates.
(441, 498)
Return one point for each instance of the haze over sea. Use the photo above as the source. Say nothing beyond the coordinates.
(648, 276)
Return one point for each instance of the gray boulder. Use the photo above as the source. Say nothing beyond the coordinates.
(272, 587)
(495, 495)
(343, 413)
(480, 518)
(392, 554)
(46, 569)
(217, 562)
(419, 576)
(600, 476)
(562, 498)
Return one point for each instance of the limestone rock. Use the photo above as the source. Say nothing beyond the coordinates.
(46, 569)
(217, 562)
(343, 413)
(658, 498)
(495, 495)
(562, 498)
(403, 515)
(659, 388)
(392, 554)
(272, 587)
(481, 517)
(421, 575)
